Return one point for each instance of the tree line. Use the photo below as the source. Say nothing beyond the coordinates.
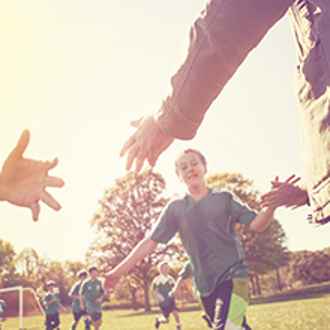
(127, 212)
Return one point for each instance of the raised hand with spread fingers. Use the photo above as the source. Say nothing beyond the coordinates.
(23, 181)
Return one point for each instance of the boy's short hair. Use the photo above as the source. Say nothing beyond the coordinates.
(186, 151)
(91, 268)
(49, 283)
(160, 266)
(82, 273)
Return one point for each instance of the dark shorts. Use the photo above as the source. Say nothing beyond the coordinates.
(78, 315)
(168, 309)
(52, 321)
(227, 303)
(95, 316)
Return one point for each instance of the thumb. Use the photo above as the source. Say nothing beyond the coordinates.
(22, 143)
(136, 123)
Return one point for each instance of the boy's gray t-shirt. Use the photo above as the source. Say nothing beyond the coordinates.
(207, 232)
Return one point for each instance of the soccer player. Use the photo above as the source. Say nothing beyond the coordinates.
(161, 286)
(185, 273)
(92, 293)
(205, 219)
(52, 305)
(76, 310)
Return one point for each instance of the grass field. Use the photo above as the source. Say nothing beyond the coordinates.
(304, 314)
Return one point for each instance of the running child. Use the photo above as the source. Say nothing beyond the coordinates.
(52, 305)
(76, 310)
(184, 274)
(92, 294)
(205, 219)
(161, 286)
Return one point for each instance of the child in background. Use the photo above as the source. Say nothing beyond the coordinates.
(76, 310)
(161, 286)
(92, 294)
(52, 305)
(205, 219)
(184, 274)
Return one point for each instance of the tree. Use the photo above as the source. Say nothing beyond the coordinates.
(27, 265)
(8, 274)
(127, 213)
(264, 252)
(309, 267)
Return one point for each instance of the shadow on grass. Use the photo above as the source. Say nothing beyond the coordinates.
(156, 311)
(308, 292)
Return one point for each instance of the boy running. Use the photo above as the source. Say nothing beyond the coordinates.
(161, 286)
(92, 293)
(52, 305)
(74, 294)
(205, 219)
(183, 275)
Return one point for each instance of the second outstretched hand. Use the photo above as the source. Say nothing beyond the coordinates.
(147, 143)
(23, 181)
(285, 193)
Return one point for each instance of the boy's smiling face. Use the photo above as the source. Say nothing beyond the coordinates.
(191, 169)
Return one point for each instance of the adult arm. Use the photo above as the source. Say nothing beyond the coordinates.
(219, 41)
(23, 181)
(145, 247)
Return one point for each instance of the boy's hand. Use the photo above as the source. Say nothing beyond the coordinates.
(284, 194)
(23, 181)
(148, 142)
(110, 281)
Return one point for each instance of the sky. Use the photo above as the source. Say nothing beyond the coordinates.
(76, 72)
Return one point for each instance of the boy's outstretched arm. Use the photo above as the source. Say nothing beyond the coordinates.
(262, 220)
(145, 247)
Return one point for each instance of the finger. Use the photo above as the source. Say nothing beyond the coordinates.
(296, 180)
(35, 208)
(140, 158)
(127, 145)
(22, 143)
(49, 200)
(136, 123)
(131, 156)
(50, 164)
(290, 178)
(152, 159)
(53, 181)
